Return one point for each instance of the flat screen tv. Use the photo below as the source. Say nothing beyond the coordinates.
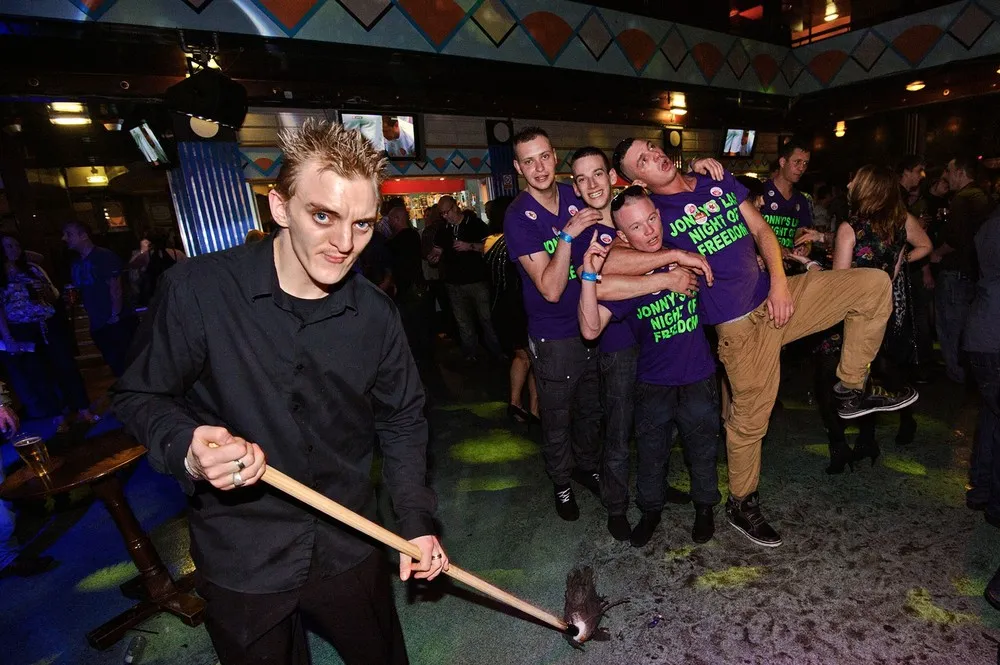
(151, 127)
(739, 142)
(397, 135)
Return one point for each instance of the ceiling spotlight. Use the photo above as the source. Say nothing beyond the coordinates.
(70, 120)
(831, 12)
(840, 129)
(915, 86)
(113, 125)
(66, 107)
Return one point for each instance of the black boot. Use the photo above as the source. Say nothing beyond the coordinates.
(643, 531)
(566, 504)
(866, 447)
(840, 456)
(907, 429)
(704, 523)
(674, 495)
(619, 527)
(589, 479)
(745, 516)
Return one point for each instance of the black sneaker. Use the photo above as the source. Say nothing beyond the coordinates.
(876, 398)
(643, 531)
(566, 503)
(704, 523)
(745, 516)
(589, 479)
(619, 527)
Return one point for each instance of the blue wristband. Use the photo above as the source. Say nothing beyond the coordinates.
(566, 237)
(589, 276)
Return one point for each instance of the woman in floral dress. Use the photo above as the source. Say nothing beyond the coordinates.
(880, 234)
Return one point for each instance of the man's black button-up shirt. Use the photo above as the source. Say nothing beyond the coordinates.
(313, 386)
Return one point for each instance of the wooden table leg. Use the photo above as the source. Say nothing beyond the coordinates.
(161, 593)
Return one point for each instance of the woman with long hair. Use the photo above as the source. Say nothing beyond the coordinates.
(509, 319)
(880, 234)
(47, 378)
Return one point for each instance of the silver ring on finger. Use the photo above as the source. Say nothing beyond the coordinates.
(237, 479)
(435, 557)
(240, 465)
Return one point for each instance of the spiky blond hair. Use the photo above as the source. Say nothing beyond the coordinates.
(343, 151)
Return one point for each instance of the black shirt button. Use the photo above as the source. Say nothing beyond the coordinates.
(299, 367)
(309, 448)
(296, 407)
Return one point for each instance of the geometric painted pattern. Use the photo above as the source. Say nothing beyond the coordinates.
(550, 31)
(495, 20)
(738, 59)
(263, 163)
(673, 48)
(595, 35)
(971, 24)
(366, 12)
(869, 50)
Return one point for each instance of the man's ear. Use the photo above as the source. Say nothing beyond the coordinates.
(517, 167)
(613, 176)
(621, 236)
(640, 182)
(278, 204)
(576, 190)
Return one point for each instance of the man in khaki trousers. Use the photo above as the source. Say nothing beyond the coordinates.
(755, 312)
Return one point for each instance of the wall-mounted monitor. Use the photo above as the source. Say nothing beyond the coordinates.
(149, 145)
(151, 127)
(398, 135)
(739, 142)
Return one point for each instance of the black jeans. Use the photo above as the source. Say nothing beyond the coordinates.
(694, 408)
(354, 611)
(618, 405)
(114, 340)
(569, 405)
(984, 467)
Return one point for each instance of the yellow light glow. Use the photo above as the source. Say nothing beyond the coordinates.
(831, 12)
(66, 107)
(70, 120)
(678, 103)
(841, 129)
(915, 86)
(677, 110)
(97, 180)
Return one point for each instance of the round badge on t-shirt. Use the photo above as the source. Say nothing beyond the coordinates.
(774, 206)
(715, 191)
(605, 239)
(530, 214)
(690, 209)
(573, 210)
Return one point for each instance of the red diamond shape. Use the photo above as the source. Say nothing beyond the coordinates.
(289, 13)
(436, 18)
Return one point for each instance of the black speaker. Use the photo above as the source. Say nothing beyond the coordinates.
(211, 95)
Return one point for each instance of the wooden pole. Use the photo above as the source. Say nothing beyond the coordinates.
(338, 512)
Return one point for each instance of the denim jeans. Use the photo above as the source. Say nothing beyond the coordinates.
(114, 341)
(984, 467)
(952, 297)
(569, 405)
(694, 408)
(470, 303)
(617, 404)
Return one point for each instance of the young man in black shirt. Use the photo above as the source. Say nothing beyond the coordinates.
(281, 344)
(466, 276)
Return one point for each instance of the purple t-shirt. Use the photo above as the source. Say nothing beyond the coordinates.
(708, 221)
(527, 228)
(617, 335)
(785, 216)
(673, 349)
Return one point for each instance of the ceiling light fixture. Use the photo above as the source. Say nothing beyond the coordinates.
(678, 103)
(70, 120)
(914, 86)
(840, 129)
(96, 178)
(831, 12)
(66, 107)
(113, 125)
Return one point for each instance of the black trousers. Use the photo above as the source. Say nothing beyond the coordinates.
(354, 611)
(114, 341)
(569, 403)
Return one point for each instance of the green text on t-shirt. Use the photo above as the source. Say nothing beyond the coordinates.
(712, 228)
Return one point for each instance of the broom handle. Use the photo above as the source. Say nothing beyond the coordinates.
(338, 512)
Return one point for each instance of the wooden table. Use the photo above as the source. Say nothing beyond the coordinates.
(95, 462)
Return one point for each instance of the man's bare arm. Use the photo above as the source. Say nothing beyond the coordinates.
(550, 274)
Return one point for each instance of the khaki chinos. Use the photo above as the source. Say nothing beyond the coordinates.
(750, 350)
